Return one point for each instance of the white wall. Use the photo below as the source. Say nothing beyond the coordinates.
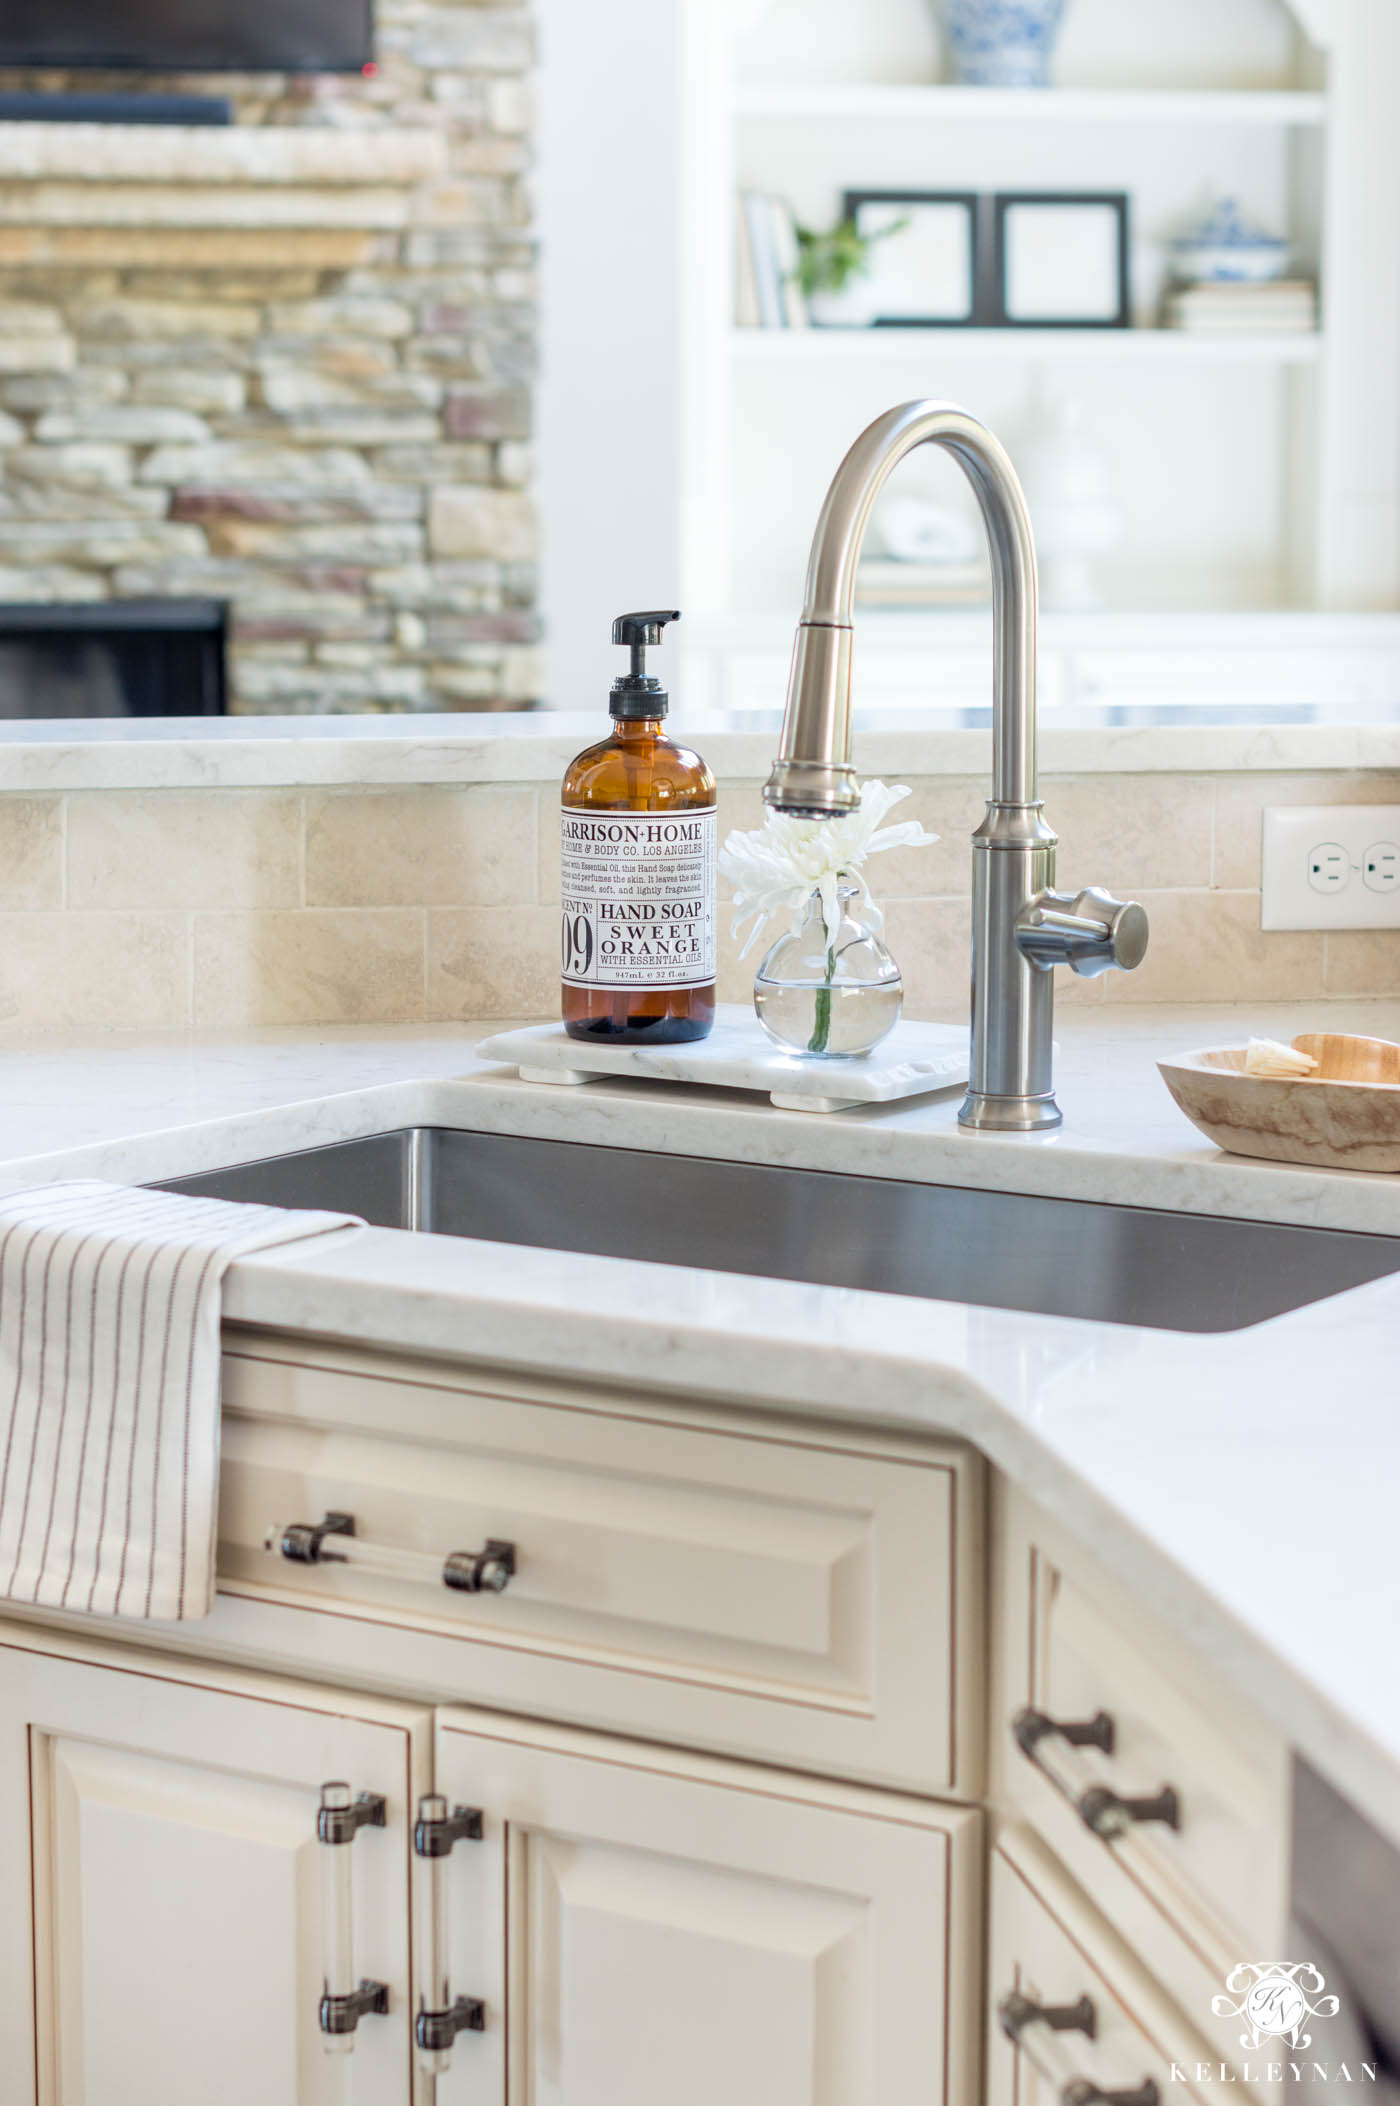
(1360, 523)
(608, 213)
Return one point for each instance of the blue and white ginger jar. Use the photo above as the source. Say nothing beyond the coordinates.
(1003, 43)
(1228, 249)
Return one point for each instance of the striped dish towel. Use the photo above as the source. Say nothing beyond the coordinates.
(109, 1391)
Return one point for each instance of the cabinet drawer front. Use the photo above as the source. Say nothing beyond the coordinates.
(683, 1931)
(1194, 1864)
(1105, 2022)
(1219, 1861)
(760, 1574)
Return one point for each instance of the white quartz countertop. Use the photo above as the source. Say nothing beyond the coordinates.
(1245, 1484)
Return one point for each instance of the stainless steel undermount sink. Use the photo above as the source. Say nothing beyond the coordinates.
(1001, 1250)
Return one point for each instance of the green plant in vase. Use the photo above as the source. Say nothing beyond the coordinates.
(833, 265)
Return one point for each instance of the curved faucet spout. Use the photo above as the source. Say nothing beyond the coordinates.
(814, 772)
(1020, 925)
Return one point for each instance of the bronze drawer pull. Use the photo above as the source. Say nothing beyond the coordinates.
(489, 1570)
(346, 1997)
(439, 1828)
(1109, 1813)
(1016, 2012)
(1105, 1812)
(1032, 1727)
(1083, 2092)
(332, 1541)
(1018, 2015)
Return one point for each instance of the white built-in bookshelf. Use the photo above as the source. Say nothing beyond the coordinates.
(1255, 473)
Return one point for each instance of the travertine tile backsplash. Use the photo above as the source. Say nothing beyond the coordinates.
(124, 910)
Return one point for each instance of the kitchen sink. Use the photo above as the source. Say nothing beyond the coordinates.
(1001, 1250)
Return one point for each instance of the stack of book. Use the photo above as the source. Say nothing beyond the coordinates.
(767, 295)
(1276, 307)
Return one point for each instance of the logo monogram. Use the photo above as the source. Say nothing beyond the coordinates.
(1273, 2000)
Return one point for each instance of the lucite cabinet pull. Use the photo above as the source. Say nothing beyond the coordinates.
(1106, 1812)
(441, 2016)
(332, 1541)
(1035, 2029)
(345, 1999)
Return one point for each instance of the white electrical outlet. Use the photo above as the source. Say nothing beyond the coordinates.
(1380, 867)
(1333, 866)
(1329, 866)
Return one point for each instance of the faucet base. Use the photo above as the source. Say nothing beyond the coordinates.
(984, 1114)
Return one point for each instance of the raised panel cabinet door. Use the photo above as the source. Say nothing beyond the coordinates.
(646, 1926)
(162, 1912)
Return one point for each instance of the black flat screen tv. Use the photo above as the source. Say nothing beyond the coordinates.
(189, 36)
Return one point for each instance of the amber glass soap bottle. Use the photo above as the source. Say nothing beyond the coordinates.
(637, 870)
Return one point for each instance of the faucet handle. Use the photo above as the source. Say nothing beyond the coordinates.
(1089, 931)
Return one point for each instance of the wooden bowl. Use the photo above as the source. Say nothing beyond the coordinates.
(1325, 1118)
(1341, 1058)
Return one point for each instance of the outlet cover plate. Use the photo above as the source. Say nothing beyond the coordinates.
(1307, 884)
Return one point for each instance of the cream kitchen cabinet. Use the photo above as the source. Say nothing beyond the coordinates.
(720, 1835)
(649, 1926)
(1163, 1795)
(616, 1922)
(163, 1923)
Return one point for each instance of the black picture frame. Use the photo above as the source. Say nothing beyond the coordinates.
(1001, 310)
(968, 202)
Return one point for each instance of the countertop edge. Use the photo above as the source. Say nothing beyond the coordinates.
(536, 747)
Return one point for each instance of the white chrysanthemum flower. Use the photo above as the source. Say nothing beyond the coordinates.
(777, 867)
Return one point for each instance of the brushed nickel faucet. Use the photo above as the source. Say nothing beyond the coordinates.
(1021, 927)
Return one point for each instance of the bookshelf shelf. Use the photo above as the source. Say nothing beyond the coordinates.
(950, 105)
(836, 347)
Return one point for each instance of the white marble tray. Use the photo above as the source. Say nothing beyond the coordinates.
(914, 1059)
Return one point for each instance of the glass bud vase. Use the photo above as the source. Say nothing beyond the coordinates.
(833, 999)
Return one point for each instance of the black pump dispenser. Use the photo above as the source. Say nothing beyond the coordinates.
(637, 693)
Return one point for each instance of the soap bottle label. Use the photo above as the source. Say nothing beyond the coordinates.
(638, 898)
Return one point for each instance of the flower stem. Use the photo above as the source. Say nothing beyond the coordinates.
(821, 1023)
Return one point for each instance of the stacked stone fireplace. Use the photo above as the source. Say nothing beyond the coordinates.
(284, 367)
